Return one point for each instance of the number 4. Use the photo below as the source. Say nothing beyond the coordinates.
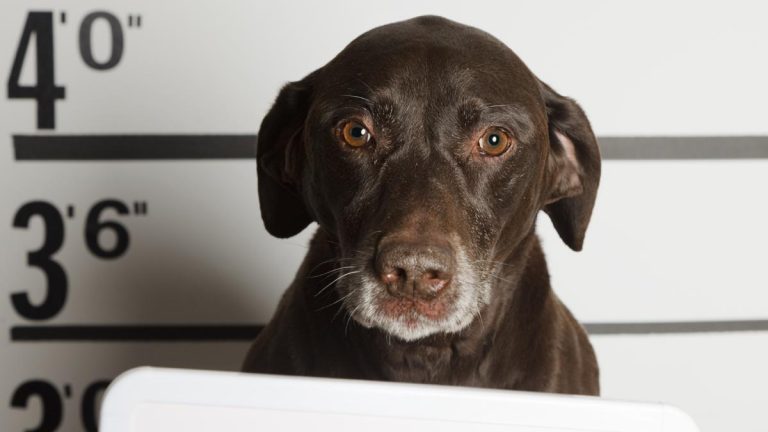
(45, 90)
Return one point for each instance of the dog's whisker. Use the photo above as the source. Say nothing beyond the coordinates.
(330, 271)
(493, 262)
(500, 278)
(354, 250)
(333, 260)
(479, 314)
(335, 302)
(358, 97)
(329, 261)
(336, 280)
(486, 274)
(339, 300)
(349, 318)
(342, 305)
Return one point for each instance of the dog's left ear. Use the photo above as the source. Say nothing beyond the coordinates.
(573, 168)
(280, 158)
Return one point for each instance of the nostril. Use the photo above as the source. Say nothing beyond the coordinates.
(395, 280)
(434, 281)
(433, 275)
(393, 276)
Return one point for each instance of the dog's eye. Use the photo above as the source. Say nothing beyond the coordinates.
(494, 142)
(355, 134)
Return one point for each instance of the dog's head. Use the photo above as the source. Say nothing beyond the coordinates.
(426, 148)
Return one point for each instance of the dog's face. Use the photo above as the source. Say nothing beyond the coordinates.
(426, 148)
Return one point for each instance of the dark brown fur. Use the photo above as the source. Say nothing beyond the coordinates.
(422, 77)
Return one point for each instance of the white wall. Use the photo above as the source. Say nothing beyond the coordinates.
(670, 240)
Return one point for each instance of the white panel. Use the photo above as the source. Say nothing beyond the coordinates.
(148, 399)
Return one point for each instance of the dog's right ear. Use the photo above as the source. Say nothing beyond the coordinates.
(573, 167)
(280, 155)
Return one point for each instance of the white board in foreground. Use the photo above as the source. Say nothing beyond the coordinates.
(154, 400)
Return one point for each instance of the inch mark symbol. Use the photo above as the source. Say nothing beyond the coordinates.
(140, 208)
(134, 21)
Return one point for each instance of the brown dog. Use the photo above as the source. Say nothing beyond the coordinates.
(425, 151)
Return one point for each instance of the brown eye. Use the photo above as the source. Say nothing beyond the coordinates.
(355, 134)
(494, 142)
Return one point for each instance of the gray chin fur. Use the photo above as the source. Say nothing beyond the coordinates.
(471, 295)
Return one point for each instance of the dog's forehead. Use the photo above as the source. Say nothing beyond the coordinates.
(431, 56)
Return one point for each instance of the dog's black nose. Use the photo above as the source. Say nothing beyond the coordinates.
(417, 270)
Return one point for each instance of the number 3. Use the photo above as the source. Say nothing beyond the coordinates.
(41, 258)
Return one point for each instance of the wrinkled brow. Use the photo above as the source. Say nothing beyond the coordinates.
(381, 109)
(515, 117)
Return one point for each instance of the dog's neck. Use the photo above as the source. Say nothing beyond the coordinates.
(521, 299)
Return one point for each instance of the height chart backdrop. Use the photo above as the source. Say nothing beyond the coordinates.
(129, 225)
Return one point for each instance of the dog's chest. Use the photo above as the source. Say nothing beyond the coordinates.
(431, 364)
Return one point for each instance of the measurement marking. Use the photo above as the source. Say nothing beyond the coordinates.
(63, 17)
(679, 147)
(133, 147)
(127, 333)
(230, 333)
(181, 147)
(134, 23)
(630, 328)
(140, 208)
(70, 211)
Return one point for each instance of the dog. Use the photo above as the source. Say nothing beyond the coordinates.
(425, 151)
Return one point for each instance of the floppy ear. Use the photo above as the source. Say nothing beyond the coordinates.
(573, 168)
(279, 159)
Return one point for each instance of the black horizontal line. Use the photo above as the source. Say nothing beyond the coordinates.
(676, 327)
(684, 147)
(228, 333)
(128, 333)
(133, 147)
(180, 147)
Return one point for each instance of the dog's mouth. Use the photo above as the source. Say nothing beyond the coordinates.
(410, 309)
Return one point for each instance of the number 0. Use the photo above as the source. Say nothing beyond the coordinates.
(85, 40)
